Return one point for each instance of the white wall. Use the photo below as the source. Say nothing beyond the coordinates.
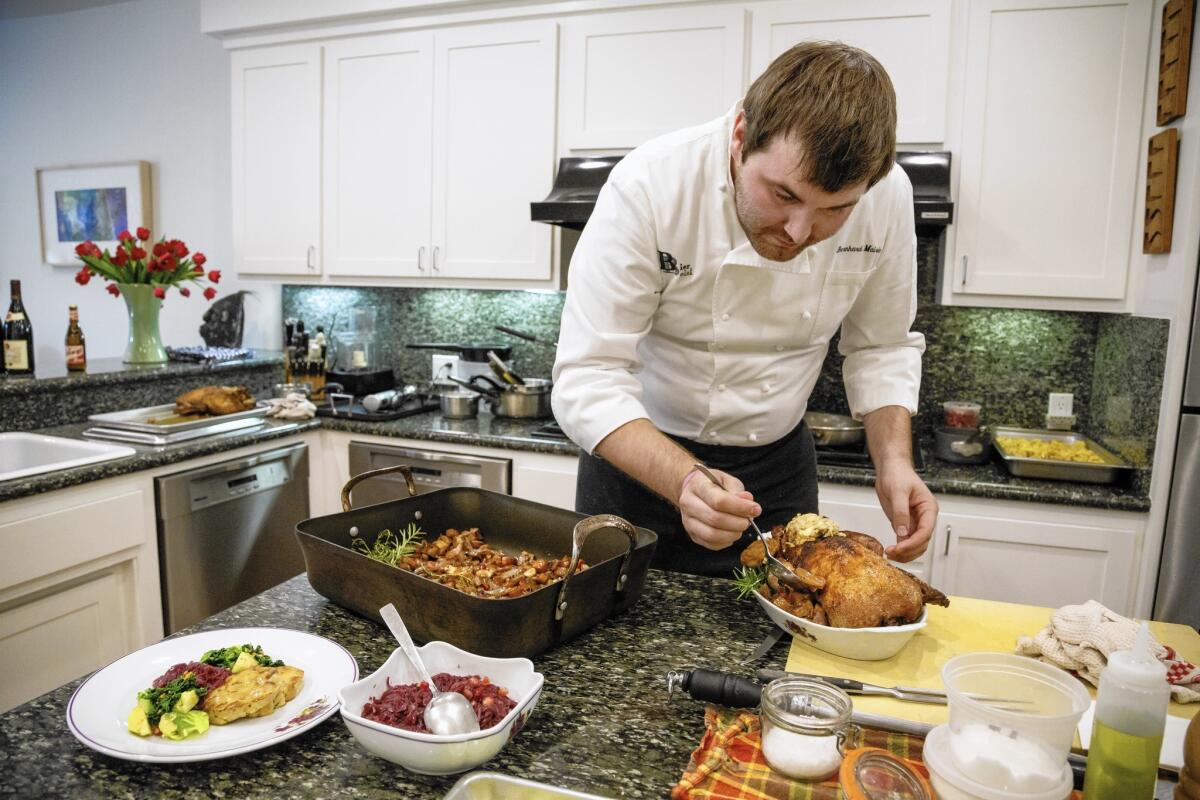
(122, 82)
(1162, 286)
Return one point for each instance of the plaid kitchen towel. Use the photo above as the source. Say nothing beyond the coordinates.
(1079, 638)
(729, 762)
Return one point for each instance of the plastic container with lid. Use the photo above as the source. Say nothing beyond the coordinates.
(960, 414)
(1131, 712)
(805, 727)
(951, 782)
(1021, 747)
(962, 445)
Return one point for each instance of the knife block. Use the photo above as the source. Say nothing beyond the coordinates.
(1189, 776)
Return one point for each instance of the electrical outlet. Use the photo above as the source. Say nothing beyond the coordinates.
(1061, 404)
(441, 366)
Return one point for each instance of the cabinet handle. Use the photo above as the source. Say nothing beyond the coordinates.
(946, 549)
(312, 258)
(435, 255)
(421, 258)
(964, 277)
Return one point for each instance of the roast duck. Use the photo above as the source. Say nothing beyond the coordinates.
(214, 400)
(848, 583)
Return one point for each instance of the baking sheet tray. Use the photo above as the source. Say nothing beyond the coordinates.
(1111, 471)
(158, 439)
(139, 419)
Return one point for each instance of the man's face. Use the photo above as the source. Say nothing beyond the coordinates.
(781, 213)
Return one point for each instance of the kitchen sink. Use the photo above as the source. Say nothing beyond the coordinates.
(23, 454)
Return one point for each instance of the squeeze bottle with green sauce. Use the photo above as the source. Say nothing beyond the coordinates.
(1127, 732)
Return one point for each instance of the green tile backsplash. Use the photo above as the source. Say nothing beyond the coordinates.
(1008, 360)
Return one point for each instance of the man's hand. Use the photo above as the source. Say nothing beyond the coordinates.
(910, 507)
(715, 516)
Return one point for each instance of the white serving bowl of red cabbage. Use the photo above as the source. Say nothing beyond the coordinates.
(382, 709)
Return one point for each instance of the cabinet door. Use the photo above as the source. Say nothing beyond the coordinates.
(545, 479)
(1035, 563)
(58, 637)
(276, 116)
(1051, 126)
(378, 129)
(629, 77)
(910, 38)
(493, 150)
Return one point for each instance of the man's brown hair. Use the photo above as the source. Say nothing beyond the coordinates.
(837, 102)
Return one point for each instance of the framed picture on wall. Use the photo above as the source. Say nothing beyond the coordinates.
(91, 203)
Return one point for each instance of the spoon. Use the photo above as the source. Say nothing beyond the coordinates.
(448, 713)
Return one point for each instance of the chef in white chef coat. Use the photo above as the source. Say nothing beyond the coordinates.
(703, 293)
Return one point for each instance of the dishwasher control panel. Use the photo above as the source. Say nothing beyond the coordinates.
(214, 489)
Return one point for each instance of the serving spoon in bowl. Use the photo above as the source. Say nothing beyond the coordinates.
(448, 713)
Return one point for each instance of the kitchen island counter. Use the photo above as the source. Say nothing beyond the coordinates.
(603, 723)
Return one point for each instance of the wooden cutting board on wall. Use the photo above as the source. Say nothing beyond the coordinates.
(1161, 168)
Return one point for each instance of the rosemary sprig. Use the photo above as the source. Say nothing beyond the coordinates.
(747, 580)
(388, 547)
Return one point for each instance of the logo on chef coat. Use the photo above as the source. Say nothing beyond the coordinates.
(668, 263)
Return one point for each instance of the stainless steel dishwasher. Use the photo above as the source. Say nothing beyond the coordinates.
(431, 469)
(227, 531)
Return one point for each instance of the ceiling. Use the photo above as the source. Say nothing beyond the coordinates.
(17, 9)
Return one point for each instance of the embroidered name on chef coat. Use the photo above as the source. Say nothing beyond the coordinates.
(850, 248)
(668, 263)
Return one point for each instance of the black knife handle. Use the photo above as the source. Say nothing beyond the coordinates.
(722, 688)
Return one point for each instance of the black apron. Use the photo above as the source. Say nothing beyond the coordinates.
(782, 476)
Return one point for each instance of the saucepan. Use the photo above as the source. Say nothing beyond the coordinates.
(834, 430)
(530, 400)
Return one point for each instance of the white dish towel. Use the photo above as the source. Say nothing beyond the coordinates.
(1079, 638)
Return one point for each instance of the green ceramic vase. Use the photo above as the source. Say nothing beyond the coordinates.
(145, 345)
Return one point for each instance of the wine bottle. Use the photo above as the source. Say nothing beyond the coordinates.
(76, 344)
(18, 336)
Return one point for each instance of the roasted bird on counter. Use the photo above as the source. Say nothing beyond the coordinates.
(214, 400)
(253, 692)
(850, 584)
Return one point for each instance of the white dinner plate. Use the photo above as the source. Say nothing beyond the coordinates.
(99, 708)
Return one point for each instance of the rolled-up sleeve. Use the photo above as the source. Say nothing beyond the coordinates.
(883, 355)
(612, 294)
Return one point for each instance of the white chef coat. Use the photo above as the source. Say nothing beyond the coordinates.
(672, 315)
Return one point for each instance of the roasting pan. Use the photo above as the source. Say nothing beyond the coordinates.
(617, 553)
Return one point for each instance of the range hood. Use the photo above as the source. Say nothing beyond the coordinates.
(573, 196)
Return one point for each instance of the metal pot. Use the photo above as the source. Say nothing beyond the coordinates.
(460, 404)
(833, 430)
(528, 401)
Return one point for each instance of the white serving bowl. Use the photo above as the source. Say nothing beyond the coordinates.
(427, 753)
(863, 644)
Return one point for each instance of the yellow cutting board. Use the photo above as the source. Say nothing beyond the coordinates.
(967, 626)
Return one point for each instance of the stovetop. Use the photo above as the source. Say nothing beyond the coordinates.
(338, 408)
(857, 457)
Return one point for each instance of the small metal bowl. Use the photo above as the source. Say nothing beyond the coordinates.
(459, 405)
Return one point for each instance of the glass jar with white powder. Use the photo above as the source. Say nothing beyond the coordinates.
(806, 727)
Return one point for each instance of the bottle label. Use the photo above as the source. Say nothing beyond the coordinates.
(14, 316)
(75, 355)
(16, 355)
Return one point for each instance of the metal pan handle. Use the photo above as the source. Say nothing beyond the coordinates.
(403, 469)
(583, 529)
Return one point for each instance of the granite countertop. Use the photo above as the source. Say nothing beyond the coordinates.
(603, 724)
(113, 371)
(146, 457)
(989, 480)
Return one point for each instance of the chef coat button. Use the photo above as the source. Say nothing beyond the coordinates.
(766, 387)
(725, 317)
(807, 314)
(778, 348)
(754, 437)
(721, 387)
(712, 434)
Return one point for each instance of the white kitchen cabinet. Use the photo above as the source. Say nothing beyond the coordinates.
(1052, 108)
(493, 149)
(910, 38)
(78, 585)
(377, 142)
(630, 76)
(1044, 562)
(276, 121)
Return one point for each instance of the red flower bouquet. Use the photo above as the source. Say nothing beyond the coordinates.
(168, 264)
